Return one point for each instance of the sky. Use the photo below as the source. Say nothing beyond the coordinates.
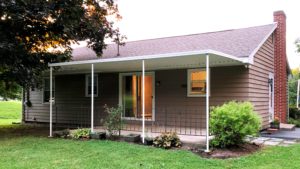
(147, 19)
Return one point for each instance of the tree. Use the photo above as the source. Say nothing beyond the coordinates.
(34, 33)
(293, 83)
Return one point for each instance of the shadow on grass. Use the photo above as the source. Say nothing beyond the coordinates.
(19, 130)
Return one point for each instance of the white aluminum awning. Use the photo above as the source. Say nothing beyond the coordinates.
(193, 59)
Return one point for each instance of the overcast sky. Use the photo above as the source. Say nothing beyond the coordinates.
(144, 19)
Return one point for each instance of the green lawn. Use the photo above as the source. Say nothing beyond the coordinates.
(25, 151)
(29, 147)
(10, 111)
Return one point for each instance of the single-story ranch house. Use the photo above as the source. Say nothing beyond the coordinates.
(169, 84)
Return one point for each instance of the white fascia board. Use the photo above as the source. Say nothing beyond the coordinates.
(251, 56)
(147, 57)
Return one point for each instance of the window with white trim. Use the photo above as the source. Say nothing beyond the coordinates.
(196, 82)
(46, 90)
(88, 85)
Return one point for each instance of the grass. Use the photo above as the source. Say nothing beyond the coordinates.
(26, 151)
(10, 111)
(29, 147)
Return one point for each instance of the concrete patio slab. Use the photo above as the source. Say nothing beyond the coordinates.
(271, 143)
(293, 135)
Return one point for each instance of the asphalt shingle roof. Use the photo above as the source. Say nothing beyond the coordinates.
(236, 42)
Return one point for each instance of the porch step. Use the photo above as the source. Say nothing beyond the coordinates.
(287, 127)
(271, 131)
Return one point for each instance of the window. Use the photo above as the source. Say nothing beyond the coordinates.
(46, 90)
(88, 85)
(196, 82)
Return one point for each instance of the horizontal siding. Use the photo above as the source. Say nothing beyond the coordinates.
(71, 105)
(172, 106)
(258, 76)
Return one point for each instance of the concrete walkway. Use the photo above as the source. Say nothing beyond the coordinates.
(268, 141)
(292, 135)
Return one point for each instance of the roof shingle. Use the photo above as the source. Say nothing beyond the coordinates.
(236, 42)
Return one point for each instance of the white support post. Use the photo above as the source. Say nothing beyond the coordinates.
(50, 101)
(92, 98)
(207, 102)
(143, 103)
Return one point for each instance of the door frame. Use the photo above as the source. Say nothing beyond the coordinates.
(271, 95)
(153, 93)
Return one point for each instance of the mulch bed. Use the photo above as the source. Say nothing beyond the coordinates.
(232, 152)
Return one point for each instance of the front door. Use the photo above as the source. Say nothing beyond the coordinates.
(131, 95)
(271, 97)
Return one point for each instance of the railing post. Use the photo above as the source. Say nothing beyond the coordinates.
(143, 103)
(92, 98)
(50, 101)
(207, 102)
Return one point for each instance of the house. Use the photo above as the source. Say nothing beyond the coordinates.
(183, 76)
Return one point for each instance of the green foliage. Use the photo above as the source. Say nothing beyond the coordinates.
(293, 83)
(294, 112)
(167, 140)
(80, 133)
(35, 33)
(113, 122)
(294, 121)
(10, 91)
(231, 122)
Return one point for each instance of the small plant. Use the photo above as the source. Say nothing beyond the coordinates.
(276, 120)
(113, 122)
(167, 140)
(232, 122)
(275, 124)
(294, 121)
(81, 133)
(294, 112)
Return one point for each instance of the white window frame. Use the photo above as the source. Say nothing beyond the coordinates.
(87, 83)
(121, 75)
(189, 71)
(43, 90)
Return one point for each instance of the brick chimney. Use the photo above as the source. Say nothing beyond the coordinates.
(280, 67)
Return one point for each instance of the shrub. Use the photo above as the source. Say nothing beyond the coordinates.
(113, 122)
(294, 121)
(81, 133)
(167, 140)
(232, 122)
(294, 112)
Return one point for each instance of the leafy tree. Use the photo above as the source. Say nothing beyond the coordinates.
(293, 84)
(34, 33)
(13, 91)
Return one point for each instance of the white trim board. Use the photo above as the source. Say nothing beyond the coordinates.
(146, 57)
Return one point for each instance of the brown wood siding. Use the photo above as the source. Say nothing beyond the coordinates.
(258, 78)
(172, 106)
(71, 105)
(227, 83)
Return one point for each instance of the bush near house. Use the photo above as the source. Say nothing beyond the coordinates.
(81, 133)
(294, 116)
(113, 122)
(232, 122)
(167, 140)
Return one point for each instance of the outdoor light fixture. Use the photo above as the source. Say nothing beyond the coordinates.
(270, 81)
(157, 83)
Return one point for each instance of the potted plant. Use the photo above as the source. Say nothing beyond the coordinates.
(275, 124)
(148, 141)
(134, 138)
(98, 135)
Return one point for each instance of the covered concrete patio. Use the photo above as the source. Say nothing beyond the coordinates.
(184, 60)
